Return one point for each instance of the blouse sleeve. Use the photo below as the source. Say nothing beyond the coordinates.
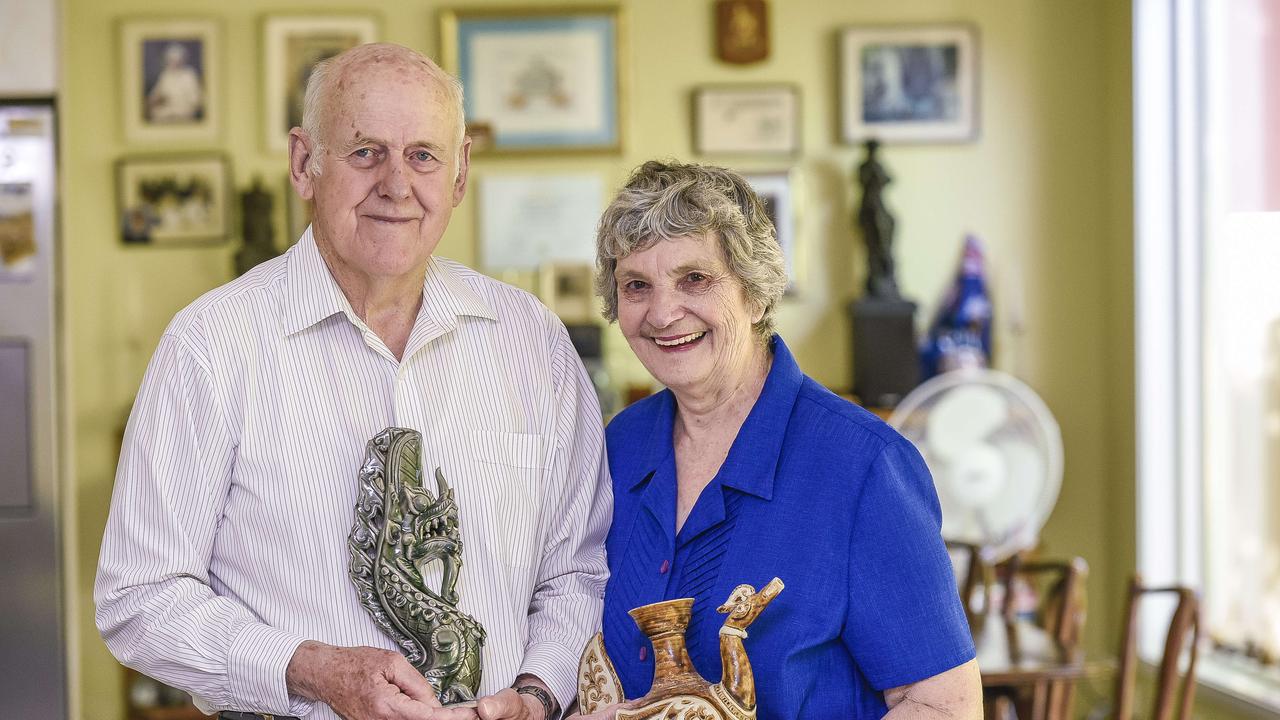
(905, 620)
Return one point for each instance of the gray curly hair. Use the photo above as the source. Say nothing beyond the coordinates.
(665, 200)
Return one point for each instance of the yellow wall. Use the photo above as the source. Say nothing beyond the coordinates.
(1046, 185)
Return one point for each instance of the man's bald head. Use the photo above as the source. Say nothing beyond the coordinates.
(335, 75)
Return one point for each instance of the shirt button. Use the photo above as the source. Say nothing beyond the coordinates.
(666, 565)
(644, 653)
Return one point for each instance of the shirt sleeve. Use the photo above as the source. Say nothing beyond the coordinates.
(905, 620)
(568, 597)
(155, 608)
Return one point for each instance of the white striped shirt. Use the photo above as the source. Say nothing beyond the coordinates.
(226, 544)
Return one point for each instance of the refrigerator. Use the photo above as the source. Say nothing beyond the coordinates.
(32, 642)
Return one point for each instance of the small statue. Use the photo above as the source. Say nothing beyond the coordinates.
(400, 529)
(259, 242)
(678, 691)
(877, 226)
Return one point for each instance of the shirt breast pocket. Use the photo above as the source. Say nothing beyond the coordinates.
(510, 469)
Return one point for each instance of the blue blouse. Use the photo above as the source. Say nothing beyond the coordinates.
(818, 492)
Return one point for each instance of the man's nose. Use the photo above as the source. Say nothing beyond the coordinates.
(394, 183)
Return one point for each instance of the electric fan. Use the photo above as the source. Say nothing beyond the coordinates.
(995, 452)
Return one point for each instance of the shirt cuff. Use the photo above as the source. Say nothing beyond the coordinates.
(555, 666)
(256, 667)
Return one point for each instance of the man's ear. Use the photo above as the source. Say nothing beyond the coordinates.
(464, 164)
(300, 150)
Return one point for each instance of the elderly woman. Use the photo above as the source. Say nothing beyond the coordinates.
(744, 469)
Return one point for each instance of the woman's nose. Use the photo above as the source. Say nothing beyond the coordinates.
(665, 307)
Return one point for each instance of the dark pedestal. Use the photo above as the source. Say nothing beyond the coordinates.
(885, 362)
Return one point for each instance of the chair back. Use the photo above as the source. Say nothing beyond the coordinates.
(1184, 628)
(1059, 589)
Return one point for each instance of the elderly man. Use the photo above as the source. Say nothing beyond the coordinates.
(224, 565)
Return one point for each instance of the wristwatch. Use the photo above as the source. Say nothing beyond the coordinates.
(549, 709)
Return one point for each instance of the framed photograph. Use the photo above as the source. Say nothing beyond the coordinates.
(291, 46)
(171, 86)
(173, 199)
(746, 119)
(568, 290)
(774, 190)
(909, 84)
(538, 80)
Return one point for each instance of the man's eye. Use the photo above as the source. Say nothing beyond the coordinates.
(363, 153)
(635, 285)
(423, 156)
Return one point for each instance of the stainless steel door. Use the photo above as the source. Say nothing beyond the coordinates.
(32, 664)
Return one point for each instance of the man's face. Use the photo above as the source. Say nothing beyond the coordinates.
(391, 172)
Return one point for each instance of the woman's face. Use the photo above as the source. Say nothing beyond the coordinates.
(685, 315)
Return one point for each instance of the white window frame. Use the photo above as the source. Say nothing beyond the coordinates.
(1171, 197)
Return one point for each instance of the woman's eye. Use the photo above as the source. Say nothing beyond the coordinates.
(634, 285)
(696, 277)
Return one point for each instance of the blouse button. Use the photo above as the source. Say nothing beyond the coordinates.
(666, 565)
(644, 653)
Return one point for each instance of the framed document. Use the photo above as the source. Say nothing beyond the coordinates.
(746, 119)
(538, 80)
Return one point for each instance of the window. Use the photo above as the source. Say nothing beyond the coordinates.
(1207, 173)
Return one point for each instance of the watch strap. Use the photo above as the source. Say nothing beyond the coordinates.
(548, 703)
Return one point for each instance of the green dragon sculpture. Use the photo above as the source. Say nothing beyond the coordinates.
(401, 529)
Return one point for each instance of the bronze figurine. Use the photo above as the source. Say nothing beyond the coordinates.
(877, 226)
(400, 529)
(678, 691)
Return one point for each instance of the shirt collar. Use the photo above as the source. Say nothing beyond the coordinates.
(445, 294)
(311, 293)
(314, 295)
(753, 458)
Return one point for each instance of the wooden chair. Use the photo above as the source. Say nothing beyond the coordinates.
(971, 572)
(1184, 628)
(1059, 589)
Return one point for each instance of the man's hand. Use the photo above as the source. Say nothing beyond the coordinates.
(509, 705)
(364, 683)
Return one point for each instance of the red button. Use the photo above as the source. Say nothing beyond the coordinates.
(644, 653)
(666, 565)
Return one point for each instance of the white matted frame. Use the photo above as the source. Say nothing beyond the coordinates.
(775, 190)
(174, 199)
(909, 84)
(746, 119)
(539, 79)
(291, 47)
(170, 70)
